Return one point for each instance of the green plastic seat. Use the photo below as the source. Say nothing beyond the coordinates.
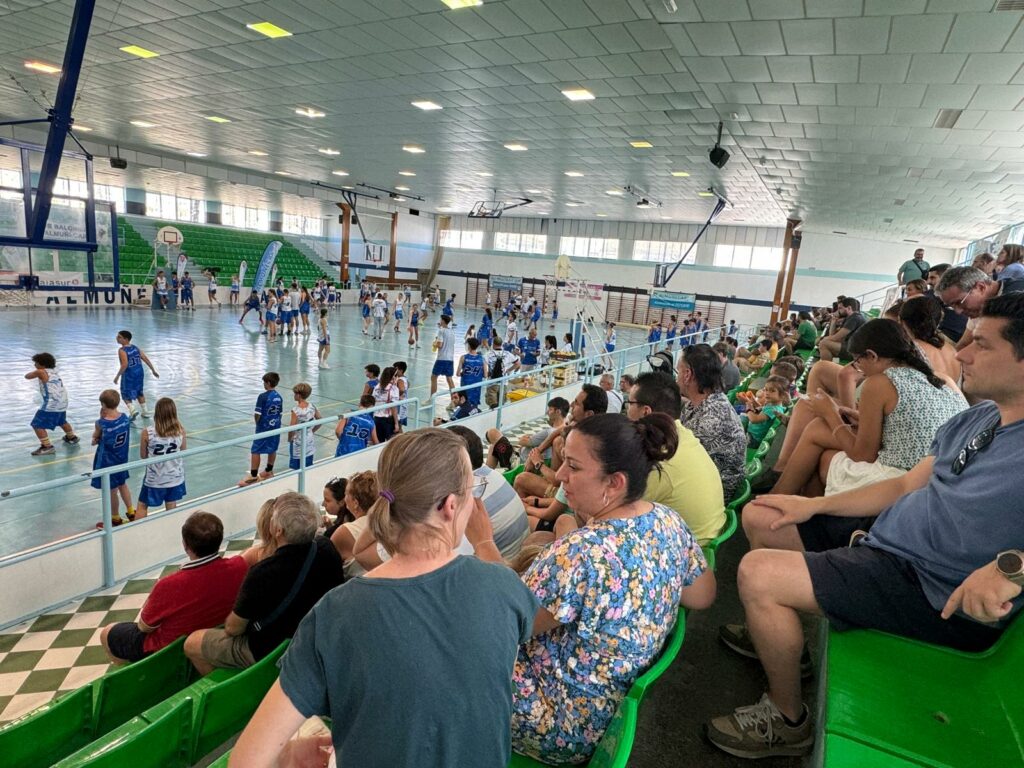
(614, 748)
(753, 468)
(138, 743)
(225, 709)
(731, 524)
(222, 761)
(131, 689)
(512, 474)
(841, 752)
(668, 654)
(927, 704)
(45, 735)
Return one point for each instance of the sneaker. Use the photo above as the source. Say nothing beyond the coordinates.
(71, 440)
(133, 415)
(759, 730)
(737, 638)
(44, 450)
(247, 480)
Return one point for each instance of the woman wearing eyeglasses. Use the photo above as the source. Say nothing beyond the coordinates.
(902, 404)
(412, 661)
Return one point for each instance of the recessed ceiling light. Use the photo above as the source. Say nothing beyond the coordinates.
(681, 174)
(427, 106)
(268, 29)
(346, 186)
(485, 173)
(398, 199)
(142, 53)
(574, 205)
(42, 66)
(615, 192)
(283, 173)
(413, 148)
(195, 154)
(705, 194)
(666, 218)
(516, 147)
(456, 4)
(309, 112)
(83, 128)
(406, 173)
(402, 189)
(142, 124)
(217, 119)
(641, 144)
(340, 173)
(577, 94)
(535, 191)
(329, 151)
(257, 153)
(602, 215)
(574, 174)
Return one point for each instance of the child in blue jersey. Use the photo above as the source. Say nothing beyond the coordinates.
(271, 317)
(302, 412)
(112, 438)
(529, 351)
(670, 333)
(372, 373)
(449, 308)
(323, 339)
(53, 412)
(233, 296)
(332, 293)
(472, 370)
(188, 300)
(536, 314)
(304, 304)
(131, 374)
(554, 312)
(356, 432)
(414, 326)
(364, 310)
(654, 333)
(267, 415)
(253, 302)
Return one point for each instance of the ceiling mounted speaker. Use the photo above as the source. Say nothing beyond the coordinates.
(118, 162)
(718, 157)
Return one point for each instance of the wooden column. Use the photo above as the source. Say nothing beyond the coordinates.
(794, 247)
(783, 266)
(393, 251)
(346, 236)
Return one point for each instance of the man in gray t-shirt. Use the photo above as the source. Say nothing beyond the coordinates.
(835, 344)
(941, 562)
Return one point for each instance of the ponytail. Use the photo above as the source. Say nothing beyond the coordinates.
(914, 359)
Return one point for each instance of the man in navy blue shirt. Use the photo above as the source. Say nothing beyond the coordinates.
(940, 563)
(529, 349)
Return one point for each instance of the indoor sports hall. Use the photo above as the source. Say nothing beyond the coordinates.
(483, 383)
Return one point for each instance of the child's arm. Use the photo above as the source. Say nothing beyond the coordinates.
(461, 361)
(339, 427)
(144, 445)
(373, 436)
(96, 434)
(293, 436)
(756, 416)
(146, 361)
(316, 415)
(183, 445)
(38, 373)
(123, 357)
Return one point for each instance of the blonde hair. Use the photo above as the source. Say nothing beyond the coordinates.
(303, 390)
(419, 470)
(268, 544)
(165, 418)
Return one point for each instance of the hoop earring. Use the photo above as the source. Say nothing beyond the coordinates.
(605, 498)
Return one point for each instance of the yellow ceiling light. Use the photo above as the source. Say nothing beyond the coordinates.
(574, 174)
(535, 191)
(514, 147)
(283, 173)
(83, 128)
(705, 194)
(142, 53)
(414, 149)
(329, 151)
(196, 154)
(257, 153)
(142, 124)
(426, 106)
(42, 66)
(614, 192)
(602, 215)
(406, 173)
(268, 29)
(309, 112)
(485, 174)
(456, 4)
(217, 119)
(681, 174)
(578, 94)
(340, 173)
(402, 189)
(640, 144)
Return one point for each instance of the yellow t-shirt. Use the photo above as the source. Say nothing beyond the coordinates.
(773, 352)
(690, 484)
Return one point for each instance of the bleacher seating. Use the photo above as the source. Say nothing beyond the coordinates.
(134, 253)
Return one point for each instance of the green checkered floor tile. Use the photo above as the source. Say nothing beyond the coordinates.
(61, 651)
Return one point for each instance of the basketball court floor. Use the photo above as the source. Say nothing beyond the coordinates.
(209, 364)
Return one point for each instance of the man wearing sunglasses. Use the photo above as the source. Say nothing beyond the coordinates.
(941, 562)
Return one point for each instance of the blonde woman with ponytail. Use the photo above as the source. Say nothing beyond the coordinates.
(412, 661)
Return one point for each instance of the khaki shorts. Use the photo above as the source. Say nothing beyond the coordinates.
(224, 650)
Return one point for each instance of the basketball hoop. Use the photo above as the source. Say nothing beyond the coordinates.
(374, 253)
(169, 239)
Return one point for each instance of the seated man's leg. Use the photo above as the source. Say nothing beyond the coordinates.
(529, 484)
(123, 642)
(824, 375)
(829, 349)
(209, 649)
(757, 520)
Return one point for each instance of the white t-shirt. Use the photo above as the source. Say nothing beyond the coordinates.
(614, 401)
(166, 474)
(302, 415)
(55, 396)
(379, 307)
(447, 349)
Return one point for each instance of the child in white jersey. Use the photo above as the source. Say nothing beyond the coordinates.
(53, 412)
(302, 412)
(323, 338)
(164, 483)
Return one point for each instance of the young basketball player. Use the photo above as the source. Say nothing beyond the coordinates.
(211, 288)
(112, 438)
(131, 374)
(164, 483)
(414, 326)
(302, 412)
(233, 295)
(323, 338)
(160, 286)
(286, 312)
(401, 368)
(267, 416)
(53, 412)
(188, 299)
(271, 318)
(253, 302)
(356, 432)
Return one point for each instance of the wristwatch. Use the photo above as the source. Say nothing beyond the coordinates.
(1011, 564)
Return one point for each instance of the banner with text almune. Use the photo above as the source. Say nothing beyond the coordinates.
(266, 265)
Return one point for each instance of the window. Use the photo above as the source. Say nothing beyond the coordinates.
(657, 250)
(748, 257)
(590, 247)
(302, 225)
(245, 218)
(11, 179)
(457, 238)
(160, 206)
(523, 243)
